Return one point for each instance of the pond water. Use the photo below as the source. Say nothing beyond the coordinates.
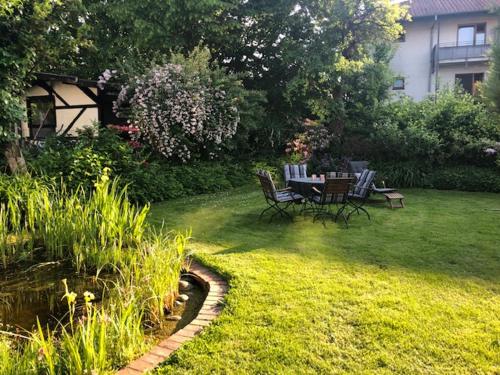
(31, 291)
(28, 292)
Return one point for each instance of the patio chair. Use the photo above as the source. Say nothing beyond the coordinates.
(357, 167)
(360, 193)
(278, 200)
(339, 175)
(335, 192)
(294, 171)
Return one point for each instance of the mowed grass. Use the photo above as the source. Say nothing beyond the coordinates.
(415, 290)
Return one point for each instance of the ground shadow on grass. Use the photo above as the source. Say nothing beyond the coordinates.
(450, 233)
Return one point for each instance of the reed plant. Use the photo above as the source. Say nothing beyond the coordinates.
(97, 231)
(97, 342)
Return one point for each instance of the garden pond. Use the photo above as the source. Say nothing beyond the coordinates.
(31, 291)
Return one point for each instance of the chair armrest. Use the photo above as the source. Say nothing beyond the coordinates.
(316, 190)
(285, 189)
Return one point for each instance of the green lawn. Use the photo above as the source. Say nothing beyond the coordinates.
(413, 291)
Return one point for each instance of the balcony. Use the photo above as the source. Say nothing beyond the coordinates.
(451, 53)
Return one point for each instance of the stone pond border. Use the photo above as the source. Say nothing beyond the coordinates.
(211, 308)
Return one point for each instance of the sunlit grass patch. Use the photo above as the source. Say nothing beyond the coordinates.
(415, 290)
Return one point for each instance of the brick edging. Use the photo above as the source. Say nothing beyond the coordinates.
(217, 289)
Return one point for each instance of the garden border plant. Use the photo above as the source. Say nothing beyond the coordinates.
(97, 231)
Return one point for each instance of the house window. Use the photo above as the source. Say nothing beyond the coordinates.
(399, 84)
(472, 35)
(41, 116)
(469, 81)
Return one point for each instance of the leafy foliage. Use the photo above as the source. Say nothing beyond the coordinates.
(97, 231)
(33, 34)
(326, 59)
(492, 87)
(455, 128)
(458, 177)
(148, 178)
(184, 109)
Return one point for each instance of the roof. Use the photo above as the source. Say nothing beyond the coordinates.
(72, 80)
(425, 8)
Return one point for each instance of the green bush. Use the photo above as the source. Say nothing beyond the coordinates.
(400, 174)
(81, 161)
(466, 178)
(452, 129)
(461, 177)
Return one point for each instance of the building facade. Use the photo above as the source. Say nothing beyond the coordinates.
(62, 105)
(447, 41)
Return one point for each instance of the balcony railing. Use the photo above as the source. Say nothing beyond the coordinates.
(455, 53)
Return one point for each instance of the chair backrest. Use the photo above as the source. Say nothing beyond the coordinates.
(339, 175)
(295, 171)
(364, 183)
(358, 166)
(336, 190)
(267, 184)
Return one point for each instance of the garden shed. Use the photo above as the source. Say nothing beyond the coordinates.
(62, 104)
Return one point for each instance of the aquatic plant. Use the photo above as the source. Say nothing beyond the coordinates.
(97, 231)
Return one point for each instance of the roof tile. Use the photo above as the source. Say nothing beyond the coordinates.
(423, 8)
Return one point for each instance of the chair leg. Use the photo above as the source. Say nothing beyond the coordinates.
(340, 212)
(357, 208)
(281, 211)
(324, 212)
(264, 211)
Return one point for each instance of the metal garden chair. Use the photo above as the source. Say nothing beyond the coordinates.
(357, 167)
(335, 192)
(278, 200)
(360, 193)
(294, 171)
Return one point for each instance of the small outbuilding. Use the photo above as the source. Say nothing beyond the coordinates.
(62, 104)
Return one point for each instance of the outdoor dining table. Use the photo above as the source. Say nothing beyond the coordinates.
(304, 185)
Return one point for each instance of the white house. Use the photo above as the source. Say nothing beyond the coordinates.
(446, 41)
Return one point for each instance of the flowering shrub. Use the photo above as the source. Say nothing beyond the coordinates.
(179, 111)
(298, 149)
(313, 142)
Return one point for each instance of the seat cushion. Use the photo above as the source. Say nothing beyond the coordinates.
(285, 196)
(355, 196)
(316, 199)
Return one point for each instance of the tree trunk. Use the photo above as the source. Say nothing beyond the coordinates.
(15, 158)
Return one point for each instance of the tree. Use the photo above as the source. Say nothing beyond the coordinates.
(33, 34)
(325, 59)
(492, 87)
(121, 30)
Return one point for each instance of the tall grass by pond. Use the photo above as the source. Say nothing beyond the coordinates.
(97, 231)
(101, 340)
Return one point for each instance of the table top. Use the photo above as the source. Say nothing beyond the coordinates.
(307, 180)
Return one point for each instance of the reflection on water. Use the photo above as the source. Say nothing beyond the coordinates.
(187, 310)
(28, 292)
(35, 291)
